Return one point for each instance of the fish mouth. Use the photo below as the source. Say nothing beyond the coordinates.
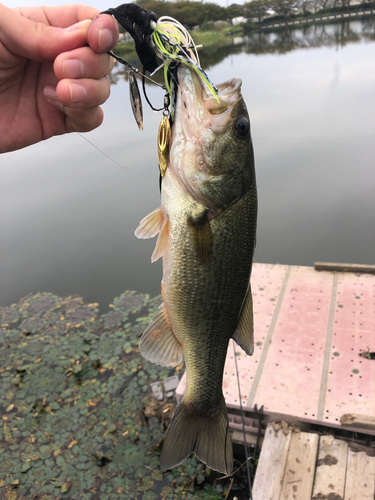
(228, 94)
(196, 102)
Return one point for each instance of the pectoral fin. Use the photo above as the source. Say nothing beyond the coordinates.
(162, 241)
(244, 334)
(150, 225)
(159, 344)
(202, 236)
(154, 223)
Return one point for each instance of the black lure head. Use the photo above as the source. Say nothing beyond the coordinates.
(137, 22)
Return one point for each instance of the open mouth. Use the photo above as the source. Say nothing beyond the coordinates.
(194, 93)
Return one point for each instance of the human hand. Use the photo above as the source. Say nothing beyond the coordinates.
(53, 67)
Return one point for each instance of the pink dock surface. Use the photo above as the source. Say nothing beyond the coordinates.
(310, 329)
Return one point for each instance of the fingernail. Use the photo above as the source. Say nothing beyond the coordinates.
(77, 92)
(105, 39)
(79, 26)
(72, 68)
(50, 93)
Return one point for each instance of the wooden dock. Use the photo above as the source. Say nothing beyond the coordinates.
(304, 466)
(314, 349)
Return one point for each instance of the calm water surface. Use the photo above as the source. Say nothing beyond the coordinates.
(68, 212)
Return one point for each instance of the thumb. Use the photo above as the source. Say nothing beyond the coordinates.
(38, 41)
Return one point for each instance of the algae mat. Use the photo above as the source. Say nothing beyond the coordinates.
(73, 388)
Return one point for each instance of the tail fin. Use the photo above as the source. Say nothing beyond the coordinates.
(207, 437)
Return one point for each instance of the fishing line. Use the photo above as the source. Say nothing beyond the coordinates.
(243, 425)
(118, 164)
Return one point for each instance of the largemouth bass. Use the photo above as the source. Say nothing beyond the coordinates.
(206, 225)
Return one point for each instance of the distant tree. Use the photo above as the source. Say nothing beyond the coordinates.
(322, 4)
(306, 6)
(284, 7)
(214, 12)
(234, 10)
(189, 13)
(315, 5)
(257, 8)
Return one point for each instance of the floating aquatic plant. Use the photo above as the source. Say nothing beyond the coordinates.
(74, 388)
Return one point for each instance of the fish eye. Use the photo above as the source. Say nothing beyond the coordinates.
(242, 126)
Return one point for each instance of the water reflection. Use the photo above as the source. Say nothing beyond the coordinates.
(337, 35)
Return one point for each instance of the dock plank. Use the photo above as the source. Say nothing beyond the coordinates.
(300, 467)
(296, 353)
(360, 476)
(271, 466)
(330, 468)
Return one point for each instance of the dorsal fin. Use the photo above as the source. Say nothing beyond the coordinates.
(159, 344)
(150, 225)
(244, 334)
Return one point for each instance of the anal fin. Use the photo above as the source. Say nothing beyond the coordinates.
(244, 334)
(159, 344)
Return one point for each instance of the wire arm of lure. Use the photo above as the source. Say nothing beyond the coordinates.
(146, 96)
(132, 69)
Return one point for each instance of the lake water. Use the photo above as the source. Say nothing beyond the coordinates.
(68, 212)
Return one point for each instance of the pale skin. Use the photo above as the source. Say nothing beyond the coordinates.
(53, 67)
